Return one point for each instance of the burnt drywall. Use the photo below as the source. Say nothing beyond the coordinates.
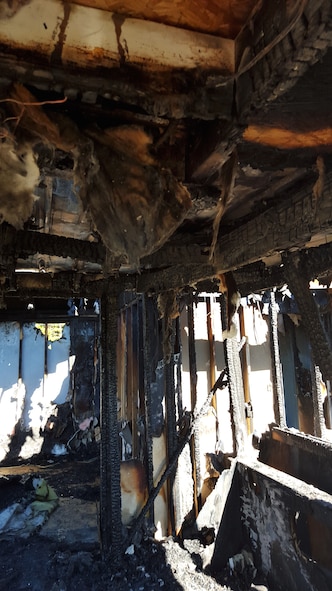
(289, 525)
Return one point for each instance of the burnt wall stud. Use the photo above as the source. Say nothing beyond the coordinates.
(277, 383)
(147, 393)
(110, 491)
(235, 384)
(194, 441)
(319, 421)
(170, 405)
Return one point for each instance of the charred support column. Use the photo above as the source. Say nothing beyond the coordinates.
(110, 491)
(235, 384)
(194, 441)
(277, 383)
(170, 406)
(299, 285)
(147, 356)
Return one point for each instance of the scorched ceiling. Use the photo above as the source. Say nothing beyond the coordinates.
(163, 143)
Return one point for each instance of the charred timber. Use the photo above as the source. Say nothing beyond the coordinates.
(278, 229)
(23, 243)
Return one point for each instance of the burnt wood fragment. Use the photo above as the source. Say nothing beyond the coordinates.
(299, 285)
(277, 383)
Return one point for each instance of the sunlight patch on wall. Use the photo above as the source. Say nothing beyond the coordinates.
(54, 331)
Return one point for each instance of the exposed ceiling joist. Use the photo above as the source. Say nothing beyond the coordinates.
(283, 227)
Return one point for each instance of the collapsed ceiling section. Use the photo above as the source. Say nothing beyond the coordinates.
(164, 144)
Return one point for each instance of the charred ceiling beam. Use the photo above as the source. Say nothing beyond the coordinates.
(175, 277)
(289, 224)
(62, 285)
(254, 278)
(285, 226)
(22, 244)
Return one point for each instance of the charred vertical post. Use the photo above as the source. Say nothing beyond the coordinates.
(277, 383)
(212, 354)
(294, 269)
(110, 491)
(246, 370)
(170, 405)
(147, 394)
(235, 384)
(194, 441)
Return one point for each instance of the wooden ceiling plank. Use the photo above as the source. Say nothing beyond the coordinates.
(216, 18)
(73, 35)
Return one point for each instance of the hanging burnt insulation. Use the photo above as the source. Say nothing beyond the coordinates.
(277, 383)
(110, 491)
(135, 205)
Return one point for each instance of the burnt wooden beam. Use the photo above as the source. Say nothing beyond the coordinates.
(110, 490)
(28, 243)
(290, 224)
(315, 262)
(65, 284)
(276, 369)
(287, 225)
(256, 277)
(176, 277)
